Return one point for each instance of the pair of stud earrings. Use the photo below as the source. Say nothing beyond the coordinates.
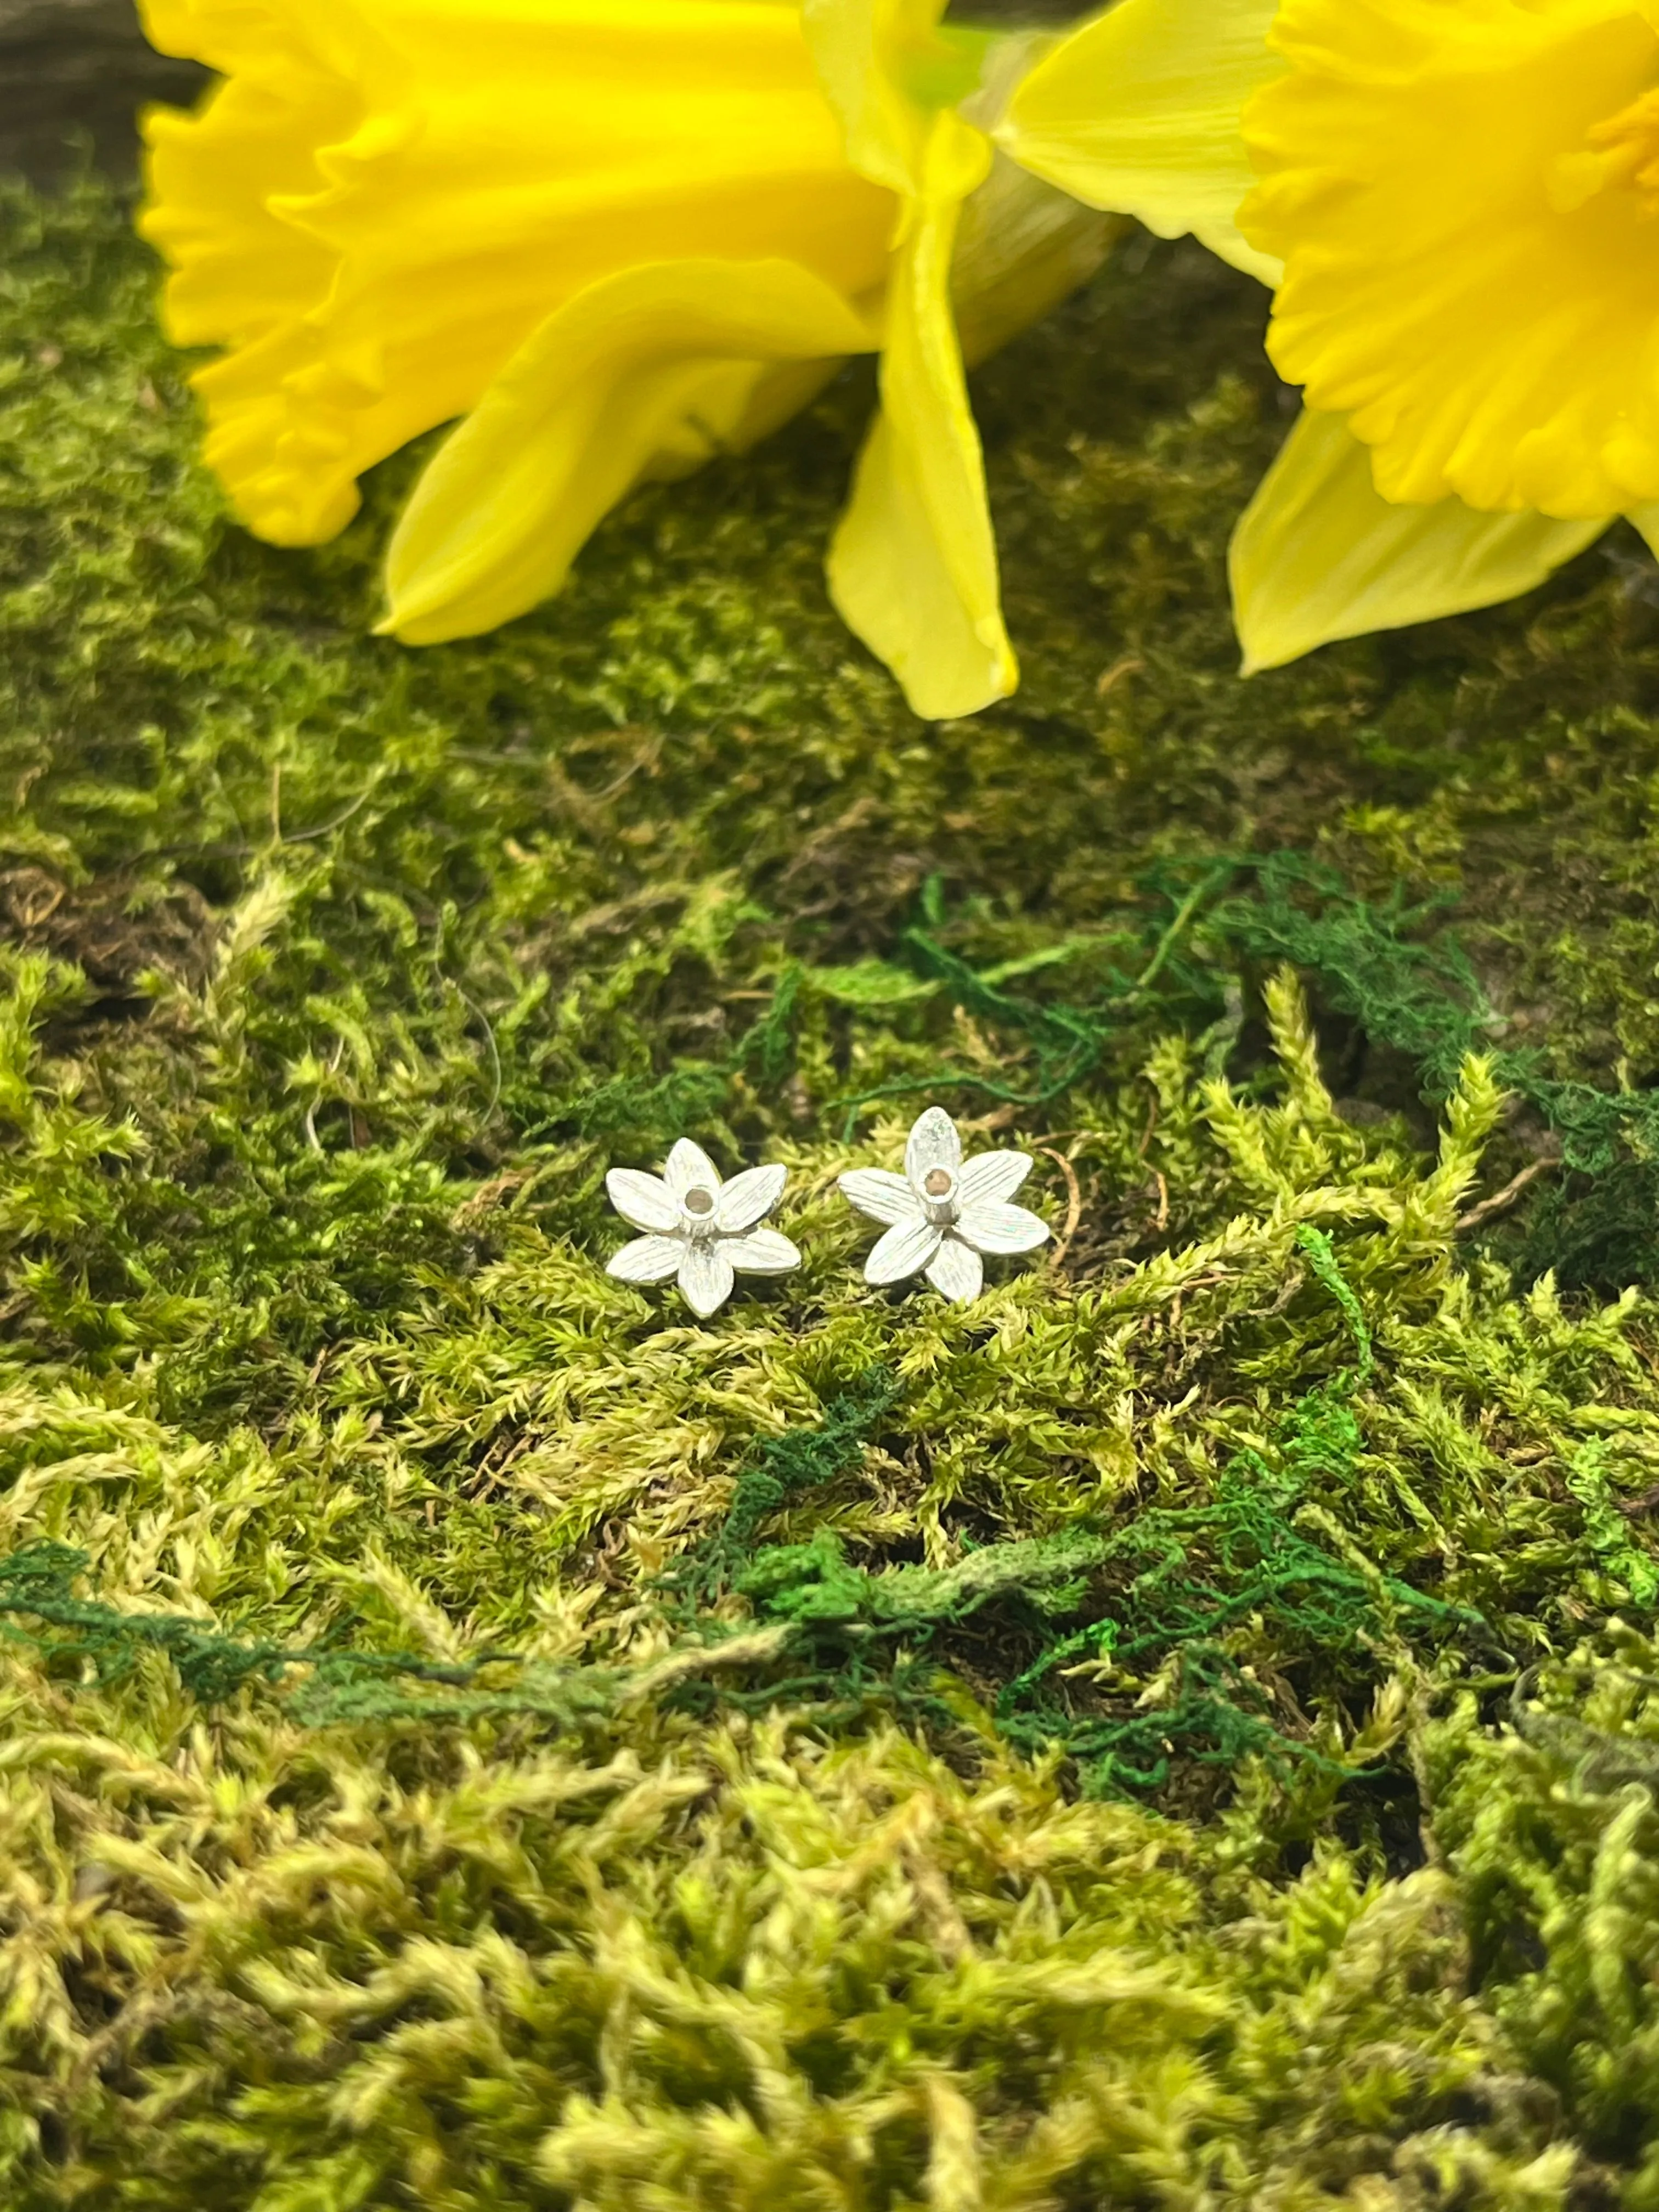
(941, 1218)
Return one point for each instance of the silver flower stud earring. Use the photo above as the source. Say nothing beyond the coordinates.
(701, 1231)
(943, 1212)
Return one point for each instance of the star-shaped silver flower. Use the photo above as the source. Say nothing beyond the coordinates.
(943, 1212)
(700, 1230)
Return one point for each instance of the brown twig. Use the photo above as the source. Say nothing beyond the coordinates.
(1501, 1200)
(1111, 677)
(491, 1195)
(1074, 1204)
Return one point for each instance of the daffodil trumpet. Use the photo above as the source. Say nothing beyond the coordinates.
(607, 239)
(1454, 203)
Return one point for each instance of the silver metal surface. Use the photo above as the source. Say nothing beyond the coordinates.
(700, 1230)
(943, 1214)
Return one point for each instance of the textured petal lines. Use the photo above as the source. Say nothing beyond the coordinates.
(761, 1252)
(241, 269)
(913, 566)
(933, 1142)
(688, 1167)
(1319, 554)
(222, 185)
(643, 1200)
(957, 1271)
(1139, 110)
(990, 1227)
(884, 1196)
(706, 1278)
(223, 36)
(860, 48)
(905, 1250)
(647, 1259)
(750, 1197)
(1021, 247)
(647, 373)
(384, 202)
(295, 408)
(1488, 331)
(992, 1176)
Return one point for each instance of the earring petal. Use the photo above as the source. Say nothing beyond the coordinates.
(643, 1200)
(647, 1259)
(905, 1249)
(761, 1252)
(706, 1278)
(989, 1227)
(957, 1271)
(881, 1194)
(689, 1168)
(992, 1176)
(933, 1142)
(749, 1198)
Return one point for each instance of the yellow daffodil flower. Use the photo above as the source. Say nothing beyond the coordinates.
(1455, 200)
(613, 238)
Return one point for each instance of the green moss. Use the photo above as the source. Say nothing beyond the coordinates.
(1548, 1824)
(576, 1756)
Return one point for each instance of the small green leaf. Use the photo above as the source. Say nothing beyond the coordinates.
(870, 983)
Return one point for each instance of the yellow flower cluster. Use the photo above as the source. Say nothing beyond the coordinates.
(1455, 201)
(608, 239)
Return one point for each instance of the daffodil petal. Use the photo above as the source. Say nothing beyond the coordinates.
(647, 374)
(1646, 520)
(1319, 554)
(957, 1271)
(1139, 110)
(647, 1259)
(644, 1201)
(221, 184)
(881, 1194)
(1469, 271)
(859, 48)
(1020, 248)
(385, 200)
(762, 1252)
(913, 566)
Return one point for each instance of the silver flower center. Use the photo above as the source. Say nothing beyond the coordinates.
(698, 1202)
(938, 1188)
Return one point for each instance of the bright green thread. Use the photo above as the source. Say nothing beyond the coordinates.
(1321, 1257)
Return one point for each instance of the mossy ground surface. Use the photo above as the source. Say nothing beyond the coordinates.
(1178, 1733)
